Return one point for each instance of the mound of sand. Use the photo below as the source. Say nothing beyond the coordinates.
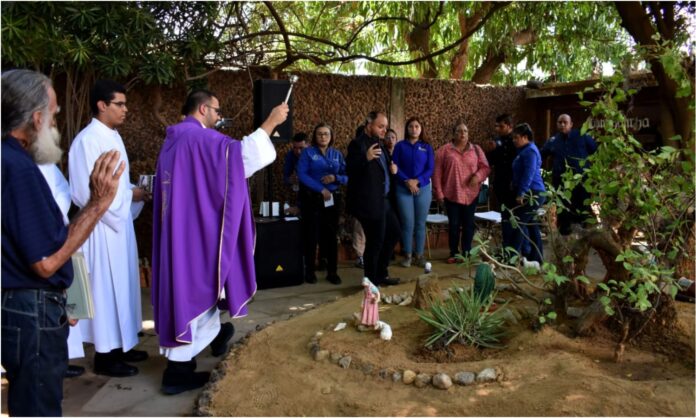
(542, 374)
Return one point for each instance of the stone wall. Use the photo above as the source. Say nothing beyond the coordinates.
(341, 101)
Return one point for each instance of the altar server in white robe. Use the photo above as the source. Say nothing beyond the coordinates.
(111, 250)
(61, 193)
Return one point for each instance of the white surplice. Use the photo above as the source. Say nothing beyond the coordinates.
(257, 152)
(60, 189)
(111, 250)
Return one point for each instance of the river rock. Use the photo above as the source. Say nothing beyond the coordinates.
(465, 378)
(409, 377)
(321, 355)
(422, 380)
(442, 381)
(335, 357)
(396, 376)
(345, 362)
(486, 375)
(406, 301)
(396, 299)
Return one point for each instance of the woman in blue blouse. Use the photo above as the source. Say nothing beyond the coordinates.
(528, 186)
(321, 170)
(415, 160)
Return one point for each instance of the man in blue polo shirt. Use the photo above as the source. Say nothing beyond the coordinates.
(37, 246)
(570, 149)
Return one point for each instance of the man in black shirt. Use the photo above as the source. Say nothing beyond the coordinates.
(369, 169)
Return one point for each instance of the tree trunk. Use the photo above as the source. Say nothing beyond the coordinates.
(636, 21)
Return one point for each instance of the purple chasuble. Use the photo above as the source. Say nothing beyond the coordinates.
(203, 235)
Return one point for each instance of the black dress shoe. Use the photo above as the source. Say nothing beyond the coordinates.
(219, 345)
(311, 278)
(388, 281)
(114, 368)
(333, 278)
(74, 371)
(180, 376)
(134, 356)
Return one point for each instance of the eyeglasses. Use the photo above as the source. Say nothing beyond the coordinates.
(216, 109)
(119, 104)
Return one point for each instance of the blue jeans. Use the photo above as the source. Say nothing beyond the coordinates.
(527, 217)
(461, 226)
(413, 209)
(34, 350)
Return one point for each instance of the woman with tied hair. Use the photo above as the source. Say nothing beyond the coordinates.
(528, 186)
(460, 168)
(415, 160)
(321, 171)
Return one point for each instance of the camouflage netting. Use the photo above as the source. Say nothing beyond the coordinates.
(341, 101)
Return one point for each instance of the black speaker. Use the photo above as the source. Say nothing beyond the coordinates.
(278, 255)
(267, 95)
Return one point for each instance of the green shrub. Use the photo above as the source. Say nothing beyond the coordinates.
(464, 318)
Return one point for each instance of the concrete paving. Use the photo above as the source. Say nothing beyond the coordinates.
(95, 395)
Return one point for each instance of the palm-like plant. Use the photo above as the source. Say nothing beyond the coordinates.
(465, 318)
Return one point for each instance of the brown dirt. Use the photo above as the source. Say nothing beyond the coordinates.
(542, 374)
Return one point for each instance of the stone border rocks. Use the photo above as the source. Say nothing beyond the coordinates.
(419, 379)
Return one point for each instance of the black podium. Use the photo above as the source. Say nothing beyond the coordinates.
(278, 255)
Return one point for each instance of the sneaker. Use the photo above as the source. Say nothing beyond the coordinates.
(360, 263)
(419, 260)
(406, 262)
(451, 260)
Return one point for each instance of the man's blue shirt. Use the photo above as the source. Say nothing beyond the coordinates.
(415, 161)
(313, 165)
(526, 170)
(568, 149)
(32, 224)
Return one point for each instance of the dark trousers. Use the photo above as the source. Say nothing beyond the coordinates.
(381, 235)
(34, 350)
(461, 226)
(509, 232)
(577, 213)
(319, 226)
(527, 218)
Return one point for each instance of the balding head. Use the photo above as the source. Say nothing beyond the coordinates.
(564, 124)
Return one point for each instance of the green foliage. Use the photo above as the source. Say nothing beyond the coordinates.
(464, 318)
(156, 42)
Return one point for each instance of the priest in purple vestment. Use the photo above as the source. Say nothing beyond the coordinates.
(203, 236)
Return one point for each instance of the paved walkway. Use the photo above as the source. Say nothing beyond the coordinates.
(95, 395)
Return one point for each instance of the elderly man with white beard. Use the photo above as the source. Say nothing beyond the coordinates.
(111, 251)
(37, 245)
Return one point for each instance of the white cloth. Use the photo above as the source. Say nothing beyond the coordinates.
(111, 250)
(60, 189)
(257, 152)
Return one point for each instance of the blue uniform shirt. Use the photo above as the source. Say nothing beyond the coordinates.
(313, 165)
(415, 161)
(568, 149)
(526, 171)
(32, 224)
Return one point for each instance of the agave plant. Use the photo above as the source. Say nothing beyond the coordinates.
(465, 318)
